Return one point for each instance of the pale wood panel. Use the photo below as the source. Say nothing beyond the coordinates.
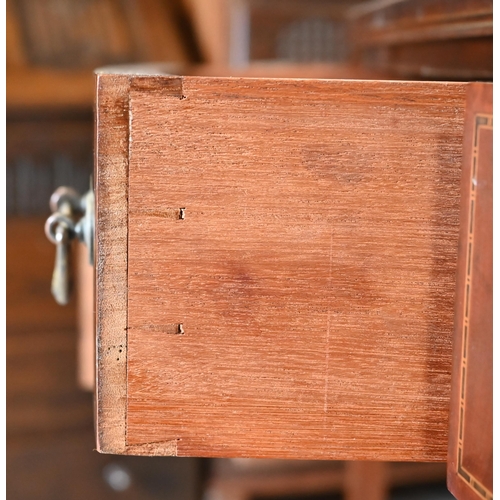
(85, 303)
(313, 272)
(112, 148)
(111, 180)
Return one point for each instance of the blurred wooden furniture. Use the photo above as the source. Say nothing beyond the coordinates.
(430, 39)
(54, 46)
(416, 39)
(52, 50)
(245, 479)
(92, 33)
(236, 33)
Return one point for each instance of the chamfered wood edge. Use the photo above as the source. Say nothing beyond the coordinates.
(140, 69)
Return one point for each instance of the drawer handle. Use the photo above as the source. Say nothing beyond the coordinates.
(72, 217)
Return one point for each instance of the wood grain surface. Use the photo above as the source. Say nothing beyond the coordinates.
(111, 178)
(291, 266)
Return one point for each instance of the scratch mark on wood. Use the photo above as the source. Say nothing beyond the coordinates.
(172, 329)
(164, 213)
(327, 354)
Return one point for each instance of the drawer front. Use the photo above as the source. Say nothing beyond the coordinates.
(470, 452)
(276, 266)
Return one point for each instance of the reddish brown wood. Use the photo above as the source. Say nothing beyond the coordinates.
(470, 458)
(303, 306)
